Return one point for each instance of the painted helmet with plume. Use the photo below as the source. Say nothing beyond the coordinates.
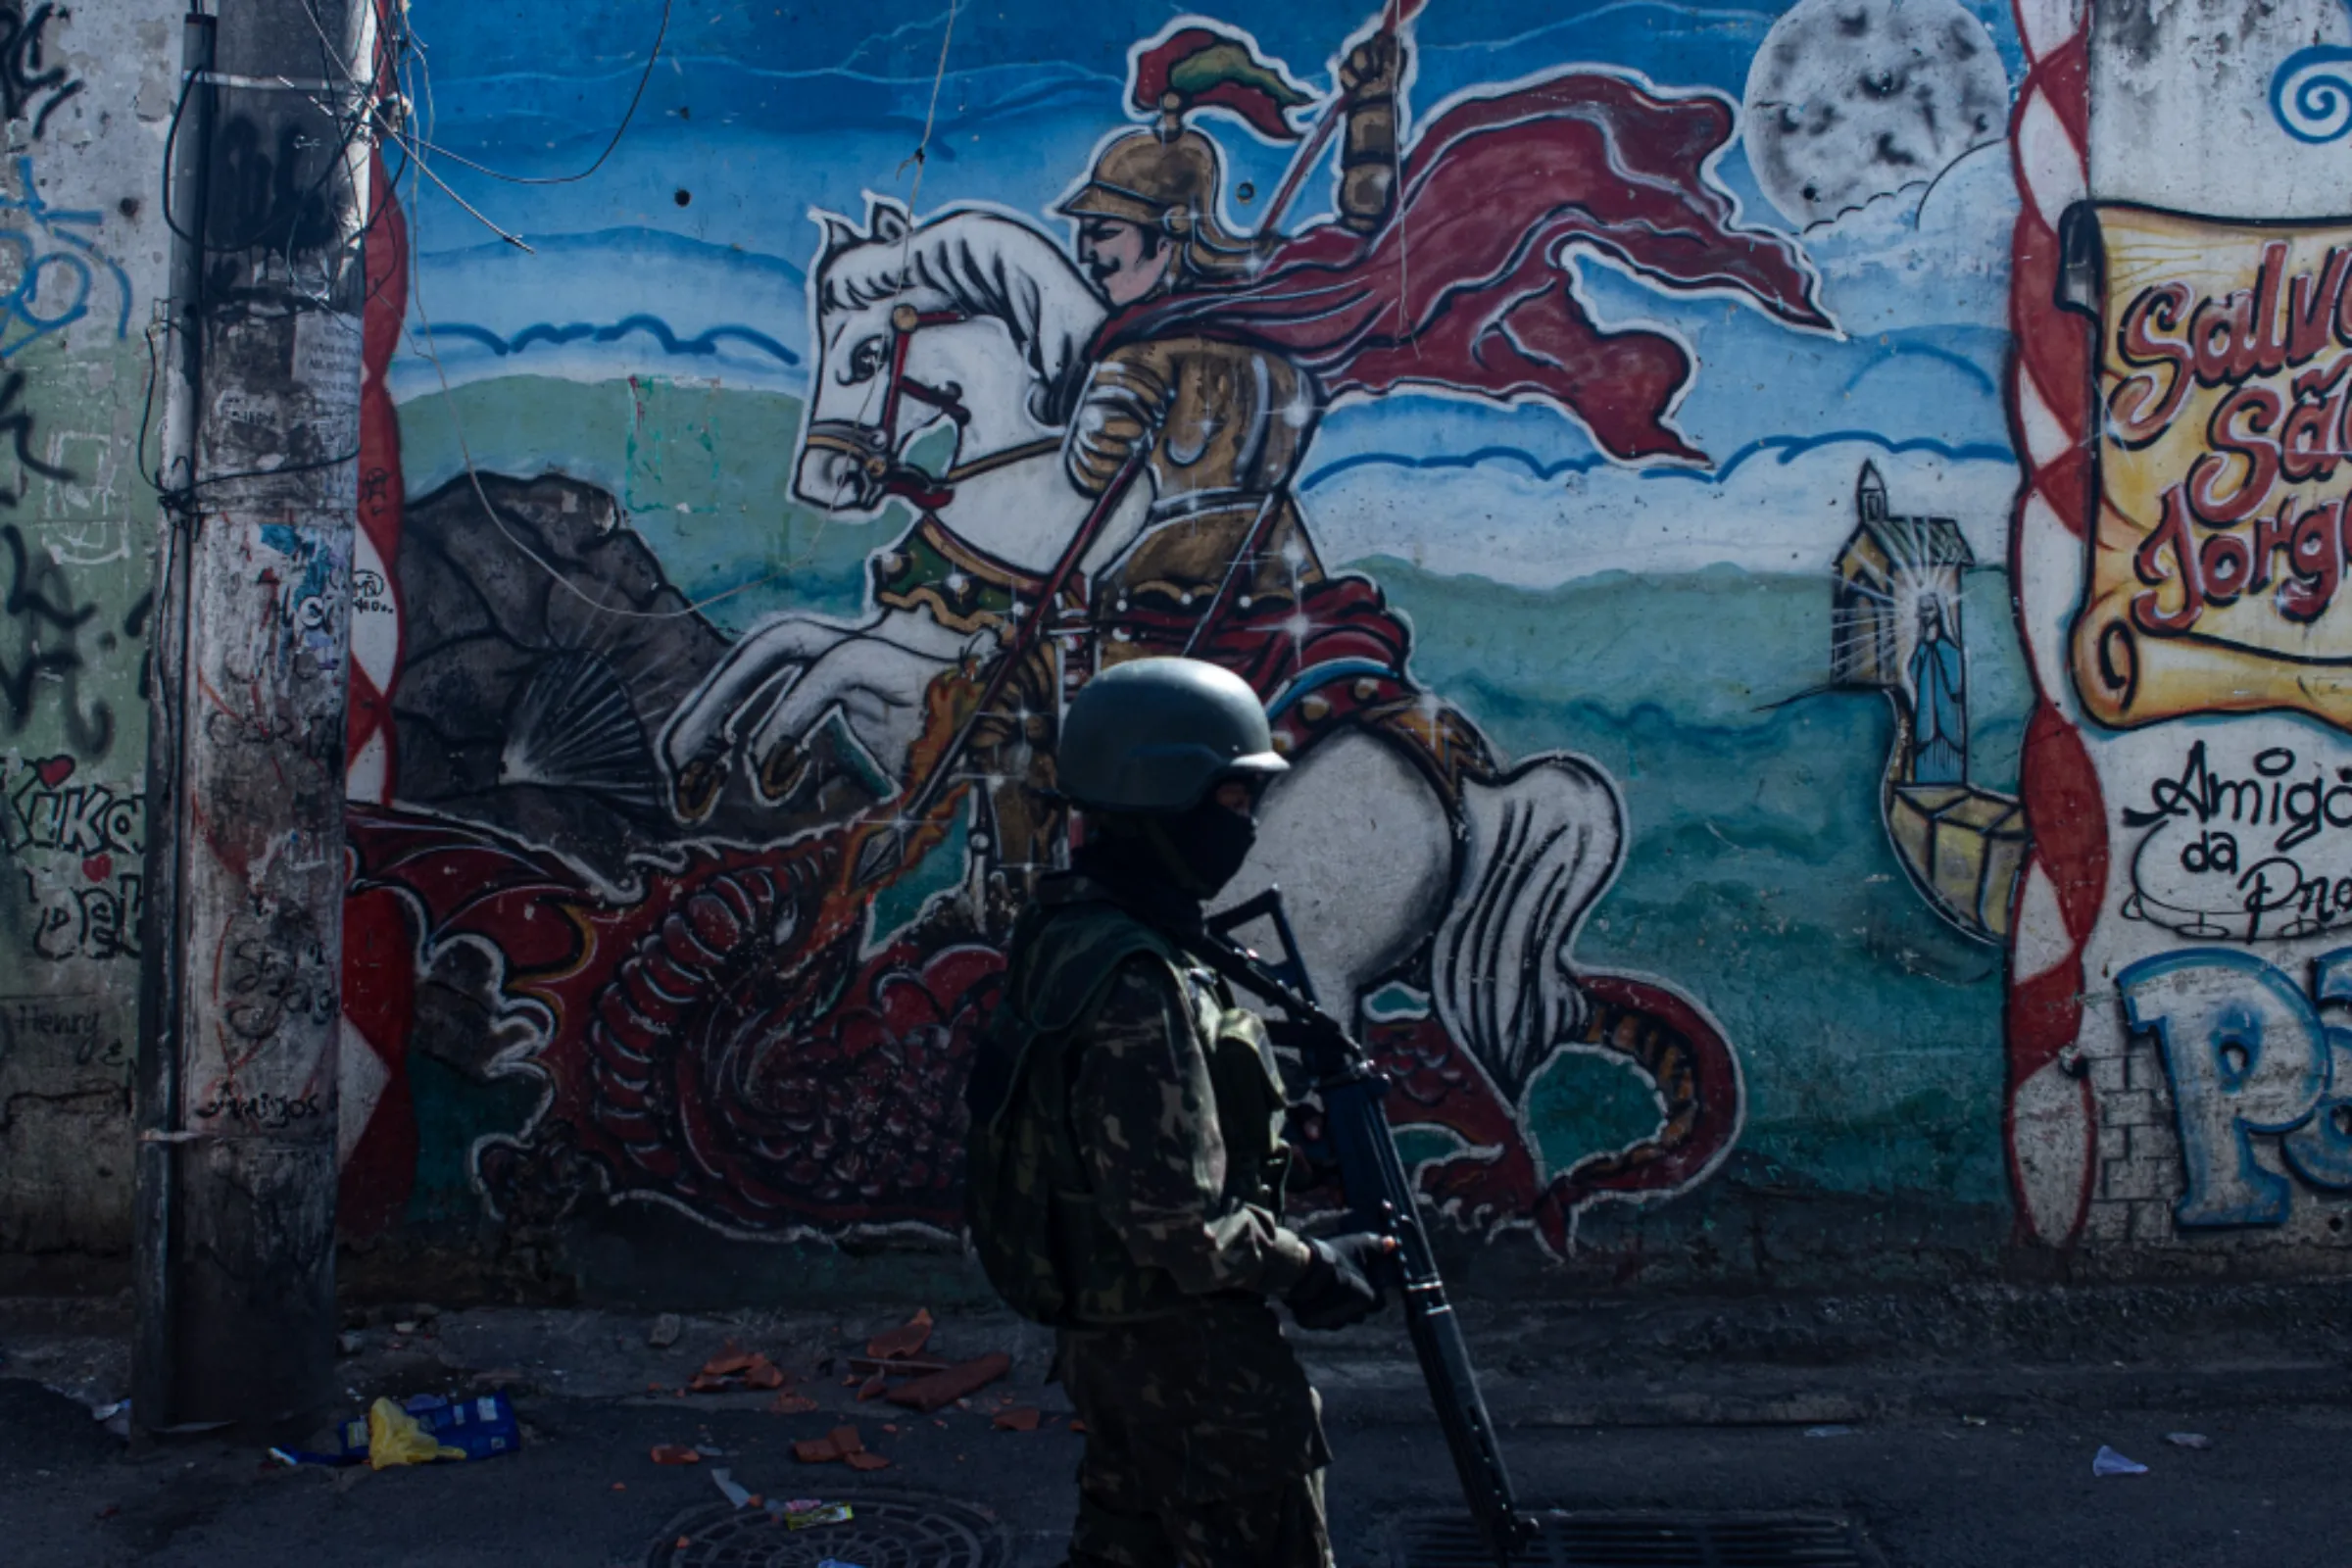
(1168, 176)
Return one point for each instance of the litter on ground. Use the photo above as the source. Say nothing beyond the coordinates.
(2108, 1463)
(908, 1338)
(839, 1443)
(928, 1394)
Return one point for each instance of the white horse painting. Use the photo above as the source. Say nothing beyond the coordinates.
(1011, 364)
(974, 327)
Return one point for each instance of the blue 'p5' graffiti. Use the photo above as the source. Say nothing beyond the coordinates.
(2249, 1057)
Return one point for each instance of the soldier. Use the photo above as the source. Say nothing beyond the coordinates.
(1127, 1163)
(1225, 420)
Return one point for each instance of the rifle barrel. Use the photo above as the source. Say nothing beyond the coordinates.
(1381, 1198)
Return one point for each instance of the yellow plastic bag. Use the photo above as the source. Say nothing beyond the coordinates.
(395, 1436)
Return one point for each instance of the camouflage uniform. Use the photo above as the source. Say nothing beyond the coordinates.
(1204, 1443)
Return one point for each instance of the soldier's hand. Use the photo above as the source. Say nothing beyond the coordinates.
(1339, 1287)
(1373, 68)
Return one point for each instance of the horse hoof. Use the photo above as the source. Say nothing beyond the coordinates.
(783, 771)
(696, 790)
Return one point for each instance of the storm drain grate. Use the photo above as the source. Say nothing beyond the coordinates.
(887, 1532)
(1643, 1541)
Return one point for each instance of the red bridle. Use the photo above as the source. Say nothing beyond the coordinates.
(873, 446)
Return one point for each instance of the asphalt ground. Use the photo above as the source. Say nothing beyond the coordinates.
(1942, 1459)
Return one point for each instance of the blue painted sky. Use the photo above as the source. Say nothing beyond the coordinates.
(754, 115)
(573, 65)
(536, 88)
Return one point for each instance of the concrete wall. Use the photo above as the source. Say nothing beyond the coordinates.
(1755, 782)
(87, 93)
(1619, 815)
(2173, 1040)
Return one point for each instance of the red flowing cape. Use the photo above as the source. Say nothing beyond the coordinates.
(1467, 287)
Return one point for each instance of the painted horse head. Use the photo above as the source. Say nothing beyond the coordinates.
(974, 319)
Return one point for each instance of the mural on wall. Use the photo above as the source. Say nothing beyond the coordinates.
(1490, 400)
(1897, 626)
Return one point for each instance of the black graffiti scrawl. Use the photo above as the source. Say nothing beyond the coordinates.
(33, 84)
(40, 624)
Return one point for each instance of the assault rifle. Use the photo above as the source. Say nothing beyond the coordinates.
(1379, 1198)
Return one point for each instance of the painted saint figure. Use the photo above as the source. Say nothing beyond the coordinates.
(1226, 420)
(1939, 703)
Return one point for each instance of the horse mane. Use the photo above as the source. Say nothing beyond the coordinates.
(987, 265)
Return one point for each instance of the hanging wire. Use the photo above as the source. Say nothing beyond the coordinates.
(406, 55)
(353, 124)
(420, 148)
(498, 519)
(424, 346)
(474, 475)
(660, 31)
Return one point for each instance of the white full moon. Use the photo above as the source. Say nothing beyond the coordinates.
(1850, 99)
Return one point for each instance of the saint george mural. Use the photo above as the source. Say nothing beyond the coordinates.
(1584, 431)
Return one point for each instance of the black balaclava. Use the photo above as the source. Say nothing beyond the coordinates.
(1169, 864)
(1205, 847)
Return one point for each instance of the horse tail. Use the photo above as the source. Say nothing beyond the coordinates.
(1540, 843)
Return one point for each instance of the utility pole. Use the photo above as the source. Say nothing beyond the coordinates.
(239, 1018)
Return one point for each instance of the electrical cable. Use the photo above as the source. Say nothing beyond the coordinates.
(351, 131)
(417, 149)
(644, 76)
(490, 509)
(182, 498)
(138, 454)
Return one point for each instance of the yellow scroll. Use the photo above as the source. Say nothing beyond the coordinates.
(2218, 570)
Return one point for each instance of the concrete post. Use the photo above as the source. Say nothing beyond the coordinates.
(237, 1175)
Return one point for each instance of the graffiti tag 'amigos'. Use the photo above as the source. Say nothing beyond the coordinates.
(263, 1109)
(2247, 852)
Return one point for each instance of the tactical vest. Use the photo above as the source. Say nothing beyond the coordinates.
(1029, 1198)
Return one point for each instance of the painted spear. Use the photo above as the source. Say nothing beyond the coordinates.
(882, 855)
(1396, 16)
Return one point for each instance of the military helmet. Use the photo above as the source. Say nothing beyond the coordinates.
(1155, 735)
